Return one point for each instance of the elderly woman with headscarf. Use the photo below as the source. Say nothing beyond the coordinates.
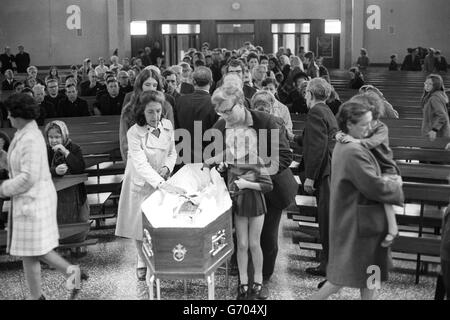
(65, 157)
(265, 101)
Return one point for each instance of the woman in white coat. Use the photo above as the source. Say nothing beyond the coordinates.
(151, 158)
(32, 227)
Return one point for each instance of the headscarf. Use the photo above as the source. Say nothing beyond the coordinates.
(58, 157)
(62, 128)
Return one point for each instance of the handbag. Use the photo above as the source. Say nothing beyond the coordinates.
(285, 188)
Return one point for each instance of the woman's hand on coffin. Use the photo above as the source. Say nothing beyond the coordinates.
(164, 172)
(171, 188)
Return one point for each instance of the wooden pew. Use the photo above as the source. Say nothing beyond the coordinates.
(424, 193)
(68, 229)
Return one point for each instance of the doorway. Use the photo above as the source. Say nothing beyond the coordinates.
(233, 35)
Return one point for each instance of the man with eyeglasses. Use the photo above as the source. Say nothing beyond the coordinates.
(54, 96)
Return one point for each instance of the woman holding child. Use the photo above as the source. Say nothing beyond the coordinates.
(358, 223)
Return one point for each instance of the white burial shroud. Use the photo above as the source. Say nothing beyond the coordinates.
(161, 208)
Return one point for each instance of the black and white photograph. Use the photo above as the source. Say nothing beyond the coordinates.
(227, 150)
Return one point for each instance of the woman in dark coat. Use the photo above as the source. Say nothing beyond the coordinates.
(357, 218)
(65, 157)
(356, 78)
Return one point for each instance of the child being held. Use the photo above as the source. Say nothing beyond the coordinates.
(247, 182)
(378, 143)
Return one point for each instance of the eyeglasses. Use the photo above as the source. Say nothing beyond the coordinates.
(235, 71)
(226, 112)
(367, 87)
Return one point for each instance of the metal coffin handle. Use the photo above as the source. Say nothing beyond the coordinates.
(218, 242)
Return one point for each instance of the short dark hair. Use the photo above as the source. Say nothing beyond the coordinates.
(279, 76)
(235, 63)
(70, 85)
(299, 75)
(28, 90)
(268, 81)
(350, 111)
(168, 72)
(111, 79)
(143, 100)
(199, 55)
(21, 105)
(309, 55)
(199, 63)
(202, 76)
(263, 57)
(252, 55)
(18, 83)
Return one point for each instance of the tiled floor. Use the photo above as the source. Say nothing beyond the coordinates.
(111, 264)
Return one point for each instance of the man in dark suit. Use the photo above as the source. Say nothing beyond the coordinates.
(171, 84)
(411, 61)
(22, 60)
(186, 87)
(6, 60)
(318, 141)
(91, 87)
(124, 82)
(236, 66)
(54, 95)
(8, 83)
(295, 100)
(195, 111)
(47, 109)
(111, 102)
(72, 106)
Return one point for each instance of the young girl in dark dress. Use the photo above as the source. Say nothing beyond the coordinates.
(247, 181)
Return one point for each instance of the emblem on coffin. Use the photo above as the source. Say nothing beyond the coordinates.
(179, 252)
